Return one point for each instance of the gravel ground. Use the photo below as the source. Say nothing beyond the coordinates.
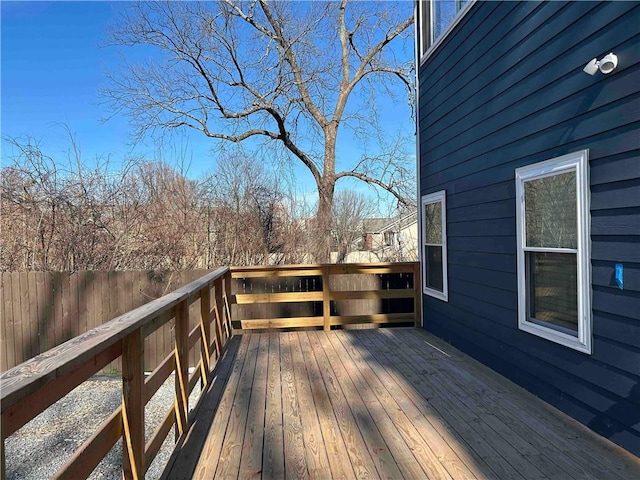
(43, 445)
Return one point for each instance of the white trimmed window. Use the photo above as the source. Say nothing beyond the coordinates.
(434, 238)
(436, 19)
(554, 287)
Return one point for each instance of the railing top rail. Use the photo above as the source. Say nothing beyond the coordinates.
(312, 266)
(26, 378)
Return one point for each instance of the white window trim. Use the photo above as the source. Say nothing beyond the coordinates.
(440, 196)
(433, 46)
(578, 162)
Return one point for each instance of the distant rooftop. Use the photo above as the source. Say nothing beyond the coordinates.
(381, 224)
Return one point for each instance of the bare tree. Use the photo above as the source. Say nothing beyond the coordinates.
(51, 211)
(248, 218)
(291, 73)
(350, 208)
(171, 235)
(61, 215)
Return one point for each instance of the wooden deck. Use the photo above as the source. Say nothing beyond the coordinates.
(385, 403)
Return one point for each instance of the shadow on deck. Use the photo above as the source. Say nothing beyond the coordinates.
(383, 403)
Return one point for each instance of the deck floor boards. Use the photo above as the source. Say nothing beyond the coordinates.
(386, 403)
(340, 465)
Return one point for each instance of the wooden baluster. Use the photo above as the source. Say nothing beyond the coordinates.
(217, 314)
(182, 367)
(326, 298)
(205, 335)
(227, 299)
(133, 405)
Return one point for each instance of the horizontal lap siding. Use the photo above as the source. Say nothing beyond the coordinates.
(504, 90)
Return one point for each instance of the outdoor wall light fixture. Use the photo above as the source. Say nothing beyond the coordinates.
(606, 65)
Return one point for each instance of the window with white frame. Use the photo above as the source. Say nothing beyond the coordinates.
(389, 238)
(434, 238)
(435, 18)
(554, 287)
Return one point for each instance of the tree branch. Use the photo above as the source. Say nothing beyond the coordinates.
(391, 187)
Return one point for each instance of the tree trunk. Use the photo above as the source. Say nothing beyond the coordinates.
(326, 188)
(322, 234)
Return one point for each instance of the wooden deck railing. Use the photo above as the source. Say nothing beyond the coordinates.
(328, 291)
(326, 295)
(34, 385)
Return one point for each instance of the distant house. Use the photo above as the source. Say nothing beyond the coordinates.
(389, 239)
(529, 168)
(392, 239)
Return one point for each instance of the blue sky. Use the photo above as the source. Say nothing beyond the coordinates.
(53, 63)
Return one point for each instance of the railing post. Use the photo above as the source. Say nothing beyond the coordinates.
(417, 297)
(182, 367)
(326, 298)
(133, 405)
(205, 335)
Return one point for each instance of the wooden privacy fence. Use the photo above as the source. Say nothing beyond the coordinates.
(41, 310)
(326, 295)
(36, 384)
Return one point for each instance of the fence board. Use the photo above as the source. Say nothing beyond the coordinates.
(128, 293)
(82, 298)
(81, 303)
(8, 321)
(66, 305)
(93, 294)
(149, 340)
(45, 310)
(49, 339)
(25, 309)
(21, 328)
(113, 295)
(104, 293)
(97, 293)
(57, 307)
(121, 289)
(41, 309)
(34, 339)
(74, 305)
(97, 297)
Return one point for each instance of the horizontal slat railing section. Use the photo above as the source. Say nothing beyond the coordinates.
(294, 296)
(31, 387)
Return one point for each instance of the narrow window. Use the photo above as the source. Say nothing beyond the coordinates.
(434, 236)
(443, 11)
(436, 18)
(389, 239)
(554, 300)
(424, 33)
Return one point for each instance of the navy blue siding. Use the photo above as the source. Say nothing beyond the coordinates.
(506, 89)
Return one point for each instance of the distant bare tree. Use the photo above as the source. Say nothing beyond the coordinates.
(61, 215)
(51, 211)
(291, 73)
(171, 235)
(248, 214)
(350, 208)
